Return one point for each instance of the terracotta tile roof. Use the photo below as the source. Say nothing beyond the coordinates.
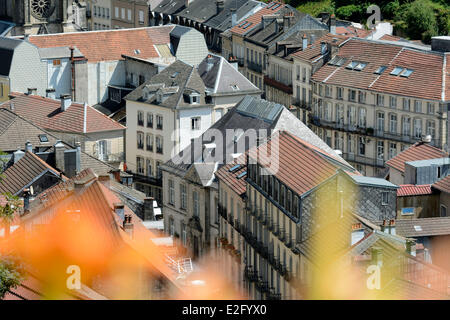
(427, 68)
(231, 178)
(413, 190)
(352, 31)
(447, 78)
(389, 37)
(108, 45)
(96, 203)
(443, 184)
(23, 173)
(423, 227)
(255, 19)
(313, 51)
(47, 115)
(299, 167)
(418, 151)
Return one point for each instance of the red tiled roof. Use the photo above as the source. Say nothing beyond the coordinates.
(352, 31)
(299, 167)
(108, 45)
(447, 78)
(389, 37)
(413, 190)
(418, 151)
(47, 115)
(443, 184)
(427, 68)
(230, 178)
(313, 50)
(255, 19)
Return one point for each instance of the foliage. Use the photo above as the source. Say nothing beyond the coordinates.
(420, 20)
(11, 274)
(350, 12)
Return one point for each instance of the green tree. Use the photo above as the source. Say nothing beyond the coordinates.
(420, 20)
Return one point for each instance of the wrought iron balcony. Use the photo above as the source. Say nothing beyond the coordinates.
(254, 66)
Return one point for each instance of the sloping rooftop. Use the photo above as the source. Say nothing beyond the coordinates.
(175, 79)
(443, 185)
(296, 164)
(249, 24)
(413, 65)
(233, 174)
(313, 50)
(423, 227)
(222, 21)
(418, 151)
(47, 114)
(371, 181)
(222, 77)
(23, 173)
(407, 190)
(109, 45)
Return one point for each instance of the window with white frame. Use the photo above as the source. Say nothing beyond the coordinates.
(380, 122)
(149, 168)
(362, 97)
(122, 11)
(406, 126)
(430, 108)
(417, 128)
(159, 144)
(362, 146)
(431, 128)
(418, 106)
(380, 100)
(406, 104)
(149, 142)
(392, 150)
(380, 149)
(362, 117)
(129, 14)
(393, 102)
(141, 17)
(384, 198)
(393, 123)
(140, 165)
(140, 140)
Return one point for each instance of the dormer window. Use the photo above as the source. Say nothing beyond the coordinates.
(159, 97)
(194, 98)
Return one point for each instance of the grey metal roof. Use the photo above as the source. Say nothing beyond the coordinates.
(262, 109)
(170, 6)
(430, 162)
(5, 27)
(222, 21)
(363, 180)
(223, 78)
(178, 74)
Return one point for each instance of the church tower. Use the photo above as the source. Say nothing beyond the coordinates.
(40, 16)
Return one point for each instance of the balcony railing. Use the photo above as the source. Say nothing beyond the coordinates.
(254, 66)
(278, 85)
(363, 160)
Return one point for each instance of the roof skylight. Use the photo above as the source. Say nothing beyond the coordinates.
(406, 73)
(234, 168)
(380, 70)
(396, 71)
(241, 175)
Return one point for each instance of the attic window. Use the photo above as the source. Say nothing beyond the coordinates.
(242, 24)
(234, 87)
(248, 25)
(43, 138)
(355, 65)
(334, 61)
(137, 51)
(278, 5)
(360, 66)
(380, 70)
(241, 175)
(406, 73)
(174, 75)
(396, 71)
(340, 62)
(351, 65)
(234, 168)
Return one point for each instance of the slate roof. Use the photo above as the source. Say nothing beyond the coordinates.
(250, 113)
(313, 51)
(427, 68)
(180, 77)
(170, 6)
(428, 227)
(223, 76)
(47, 114)
(7, 48)
(407, 190)
(418, 151)
(108, 45)
(22, 173)
(222, 21)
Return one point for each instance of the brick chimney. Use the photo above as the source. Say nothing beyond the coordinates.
(304, 42)
(391, 228)
(148, 209)
(128, 225)
(66, 101)
(59, 156)
(333, 24)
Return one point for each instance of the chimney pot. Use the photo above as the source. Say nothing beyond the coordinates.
(50, 93)
(128, 225)
(28, 147)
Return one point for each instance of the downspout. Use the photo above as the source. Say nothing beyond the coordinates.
(72, 62)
